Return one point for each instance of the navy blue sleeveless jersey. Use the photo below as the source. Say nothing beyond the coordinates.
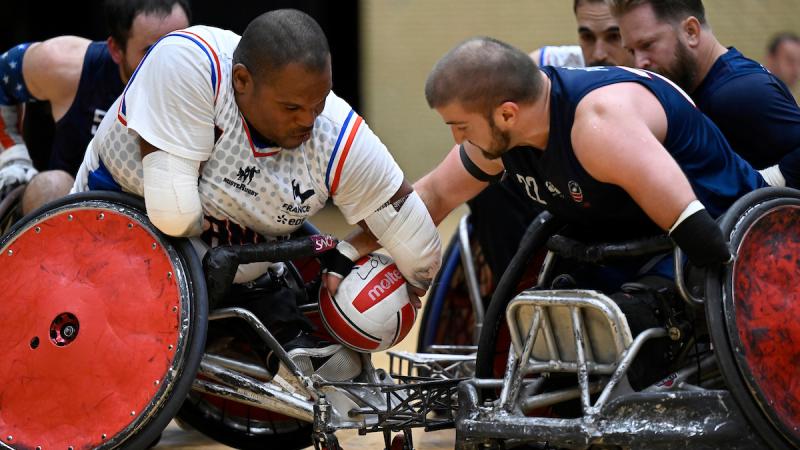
(599, 211)
(753, 109)
(99, 87)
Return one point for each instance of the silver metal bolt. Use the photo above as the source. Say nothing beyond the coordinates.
(69, 330)
(156, 383)
(101, 216)
(37, 229)
(70, 448)
(10, 438)
(10, 252)
(675, 333)
(130, 226)
(154, 246)
(174, 309)
(103, 436)
(38, 447)
(170, 347)
(133, 413)
(69, 217)
(169, 274)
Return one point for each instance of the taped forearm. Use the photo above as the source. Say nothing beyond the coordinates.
(405, 229)
(171, 193)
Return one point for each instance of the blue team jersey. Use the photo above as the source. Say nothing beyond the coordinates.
(554, 178)
(753, 109)
(99, 87)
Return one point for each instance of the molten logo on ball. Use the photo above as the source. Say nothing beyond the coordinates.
(371, 310)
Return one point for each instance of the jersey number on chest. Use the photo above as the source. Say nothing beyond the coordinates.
(531, 187)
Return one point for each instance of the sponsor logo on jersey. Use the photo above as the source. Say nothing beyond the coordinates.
(553, 189)
(293, 221)
(246, 174)
(298, 194)
(575, 191)
(245, 177)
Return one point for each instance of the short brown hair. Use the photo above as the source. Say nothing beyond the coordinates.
(780, 38)
(665, 10)
(481, 73)
(577, 3)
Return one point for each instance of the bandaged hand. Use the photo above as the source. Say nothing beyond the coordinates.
(16, 166)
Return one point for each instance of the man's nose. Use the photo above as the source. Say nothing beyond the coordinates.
(600, 52)
(306, 118)
(642, 60)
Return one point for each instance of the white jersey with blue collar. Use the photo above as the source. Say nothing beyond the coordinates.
(181, 100)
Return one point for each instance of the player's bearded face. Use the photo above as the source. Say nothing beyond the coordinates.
(683, 69)
(499, 142)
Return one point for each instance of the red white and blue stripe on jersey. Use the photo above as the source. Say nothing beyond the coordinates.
(343, 144)
(213, 59)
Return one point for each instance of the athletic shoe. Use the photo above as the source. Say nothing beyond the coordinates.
(332, 362)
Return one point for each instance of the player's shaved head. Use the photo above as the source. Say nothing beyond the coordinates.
(481, 73)
(277, 38)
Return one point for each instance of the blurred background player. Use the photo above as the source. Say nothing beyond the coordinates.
(752, 107)
(79, 79)
(783, 57)
(599, 40)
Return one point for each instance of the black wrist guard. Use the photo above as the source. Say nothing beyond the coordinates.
(335, 263)
(701, 240)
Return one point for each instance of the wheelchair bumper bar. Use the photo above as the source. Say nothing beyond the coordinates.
(696, 419)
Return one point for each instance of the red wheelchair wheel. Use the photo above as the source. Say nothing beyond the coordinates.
(103, 326)
(751, 306)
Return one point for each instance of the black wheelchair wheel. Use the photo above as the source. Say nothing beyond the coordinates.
(235, 424)
(10, 208)
(449, 317)
(244, 427)
(494, 342)
(109, 320)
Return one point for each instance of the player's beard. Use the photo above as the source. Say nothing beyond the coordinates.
(684, 68)
(499, 144)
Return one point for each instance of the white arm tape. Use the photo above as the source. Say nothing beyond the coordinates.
(690, 209)
(171, 194)
(773, 176)
(410, 237)
(347, 249)
(14, 154)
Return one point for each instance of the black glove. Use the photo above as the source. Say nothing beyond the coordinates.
(339, 261)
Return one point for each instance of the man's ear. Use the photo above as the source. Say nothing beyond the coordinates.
(115, 50)
(691, 28)
(242, 79)
(506, 115)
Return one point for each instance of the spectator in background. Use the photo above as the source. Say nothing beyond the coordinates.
(783, 58)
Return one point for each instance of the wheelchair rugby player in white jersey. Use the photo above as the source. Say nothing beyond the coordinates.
(239, 139)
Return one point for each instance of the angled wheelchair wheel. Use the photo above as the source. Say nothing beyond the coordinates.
(449, 315)
(752, 306)
(495, 341)
(235, 424)
(104, 325)
(242, 426)
(10, 207)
